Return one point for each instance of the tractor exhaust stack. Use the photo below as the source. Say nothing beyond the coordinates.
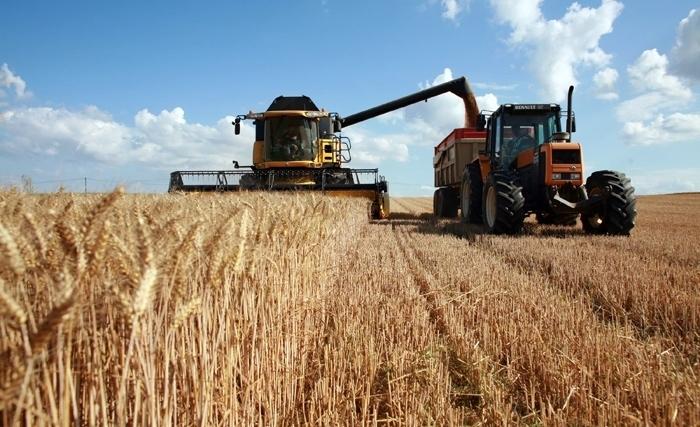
(569, 116)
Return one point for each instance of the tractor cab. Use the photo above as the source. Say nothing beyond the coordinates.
(528, 139)
(518, 128)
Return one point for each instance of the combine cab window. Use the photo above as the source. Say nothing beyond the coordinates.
(290, 138)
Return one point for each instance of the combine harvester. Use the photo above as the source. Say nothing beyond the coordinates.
(299, 147)
(517, 161)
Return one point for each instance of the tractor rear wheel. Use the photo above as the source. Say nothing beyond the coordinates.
(617, 212)
(471, 194)
(503, 206)
(554, 219)
(445, 203)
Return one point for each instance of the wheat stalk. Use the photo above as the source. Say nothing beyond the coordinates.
(56, 317)
(11, 252)
(185, 311)
(98, 212)
(143, 297)
(11, 305)
(242, 238)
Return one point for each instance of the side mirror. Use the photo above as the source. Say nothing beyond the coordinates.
(237, 126)
(337, 125)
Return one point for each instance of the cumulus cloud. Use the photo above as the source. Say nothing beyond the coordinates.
(604, 83)
(658, 90)
(165, 140)
(676, 127)
(666, 181)
(371, 149)
(558, 47)
(452, 8)
(655, 115)
(494, 86)
(686, 53)
(12, 81)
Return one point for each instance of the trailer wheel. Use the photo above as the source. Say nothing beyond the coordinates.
(618, 211)
(503, 205)
(554, 219)
(445, 203)
(471, 194)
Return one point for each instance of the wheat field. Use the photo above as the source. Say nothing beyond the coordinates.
(289, 309)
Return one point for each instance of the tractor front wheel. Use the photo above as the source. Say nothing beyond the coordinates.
(617, 211)
(503, 206)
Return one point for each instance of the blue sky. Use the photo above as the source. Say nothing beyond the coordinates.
(124, 92)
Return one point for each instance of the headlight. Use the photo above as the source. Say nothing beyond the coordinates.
(575, 176)
(556, 176)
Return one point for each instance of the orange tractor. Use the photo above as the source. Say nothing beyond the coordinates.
(519, 161)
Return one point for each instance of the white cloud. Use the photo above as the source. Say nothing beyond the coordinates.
(372, 149)
(494, 86)
(162, 141)
(604, 82)
(650, 72)
(686, 54)
(659, 90)
(676, 127)
(653, 116)
(452, 8)
(557, 47)
(488, 102)
(10, 80)
(666, 181)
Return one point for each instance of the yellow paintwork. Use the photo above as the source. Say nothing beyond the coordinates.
(327, 155)
(259, 154)
(323, 158)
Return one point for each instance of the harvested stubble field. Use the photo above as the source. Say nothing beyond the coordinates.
(294, 309)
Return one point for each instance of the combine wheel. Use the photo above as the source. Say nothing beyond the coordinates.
(503, 204)
(445, 203)
(471, 194)
(553, 219)
(617, 212)
(380, 208)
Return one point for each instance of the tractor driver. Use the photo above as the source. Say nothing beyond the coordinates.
(521, 141)
(291, 141)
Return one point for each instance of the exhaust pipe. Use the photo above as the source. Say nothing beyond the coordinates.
(568, 111)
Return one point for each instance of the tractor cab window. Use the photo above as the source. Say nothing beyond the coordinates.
(522, 132)
(290, 138)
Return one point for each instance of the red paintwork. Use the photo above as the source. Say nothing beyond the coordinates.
(460, 133)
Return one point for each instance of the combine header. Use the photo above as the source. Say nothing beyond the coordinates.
(299, 147)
